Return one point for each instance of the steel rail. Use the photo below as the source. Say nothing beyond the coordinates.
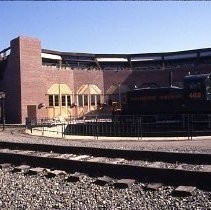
(181, 157)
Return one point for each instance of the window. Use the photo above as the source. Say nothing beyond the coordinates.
(50, 100)
(68, 101)
(93, 100)
(85, 100)
(98, 99)
(53, 100)
(63, 101)
(80, 100)
(56, 100)
(88, 100)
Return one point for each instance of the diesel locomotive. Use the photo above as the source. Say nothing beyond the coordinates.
(193, 98)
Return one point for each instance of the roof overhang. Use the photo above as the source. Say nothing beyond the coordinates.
(112, 59)
(51, 56)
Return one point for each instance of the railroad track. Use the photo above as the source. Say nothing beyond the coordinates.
(153, 168)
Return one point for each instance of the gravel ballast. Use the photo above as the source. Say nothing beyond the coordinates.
(19, 191)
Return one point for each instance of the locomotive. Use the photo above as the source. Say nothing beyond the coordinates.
(193, 98)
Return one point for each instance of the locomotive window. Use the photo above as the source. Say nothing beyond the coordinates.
(195, 85)
(208, 93)
(208, 89)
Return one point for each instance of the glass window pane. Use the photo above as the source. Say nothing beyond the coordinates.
(63, 101)
(68, 101)
(93, 100)
(56, 100)
(80, 100)
(85, 100)
(98, 99)
(50, 100)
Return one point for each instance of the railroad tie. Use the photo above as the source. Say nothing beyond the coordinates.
(153, 186)
(5, 165)
(53, 173)
(124, 183)
(21, 168)
(183, 191)
(103, 180)
(74, 177)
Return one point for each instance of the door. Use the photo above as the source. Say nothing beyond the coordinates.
(31, 111)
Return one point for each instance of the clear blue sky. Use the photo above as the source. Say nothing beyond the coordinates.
(109, 27)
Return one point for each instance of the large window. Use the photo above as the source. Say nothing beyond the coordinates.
(51, 100)
(80, 100)
(66, 100)
(55, 101)
(63, 101)
(95, 100)
(85, 100)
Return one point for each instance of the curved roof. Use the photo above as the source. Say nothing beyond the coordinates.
(140, 62)
(133, 57)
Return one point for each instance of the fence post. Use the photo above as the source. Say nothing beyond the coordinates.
(191, 128)
(96, 127)
(140, 126)
(31, 125)
(42, 130)
(62, 131)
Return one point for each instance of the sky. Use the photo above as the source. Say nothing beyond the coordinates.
(107, 26)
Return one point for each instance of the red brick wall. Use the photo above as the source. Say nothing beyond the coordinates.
(26, 81)
(37, 79)
(82, 77)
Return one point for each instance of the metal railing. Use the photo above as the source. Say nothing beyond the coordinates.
(186, 125)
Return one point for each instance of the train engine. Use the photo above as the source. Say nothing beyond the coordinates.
(193, 98)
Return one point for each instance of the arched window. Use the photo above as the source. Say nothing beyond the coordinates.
(59, 95)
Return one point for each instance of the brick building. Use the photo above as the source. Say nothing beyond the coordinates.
(41, 83)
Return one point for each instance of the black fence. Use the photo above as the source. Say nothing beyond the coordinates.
(185, 125)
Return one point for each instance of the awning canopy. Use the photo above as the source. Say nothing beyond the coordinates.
(89, 89)
(51, 56)
(116, 89)
(57, 89)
